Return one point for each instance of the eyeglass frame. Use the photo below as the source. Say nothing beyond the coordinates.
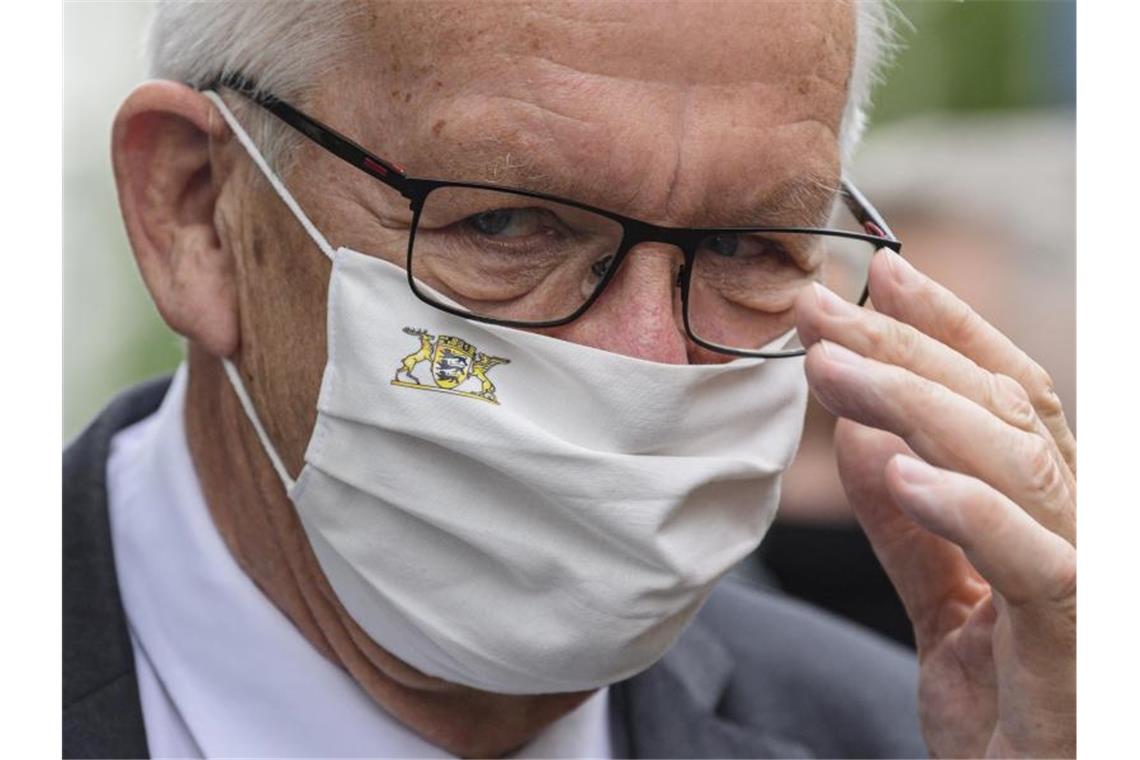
(634, 231)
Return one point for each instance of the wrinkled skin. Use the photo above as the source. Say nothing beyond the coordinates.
(982, 545)
(687, 114)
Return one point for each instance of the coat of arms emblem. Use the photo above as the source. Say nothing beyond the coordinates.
(456, 366)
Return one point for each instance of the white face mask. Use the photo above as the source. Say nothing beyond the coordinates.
(518, 513)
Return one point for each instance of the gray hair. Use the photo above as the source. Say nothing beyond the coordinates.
(283, 46)
(875, 47)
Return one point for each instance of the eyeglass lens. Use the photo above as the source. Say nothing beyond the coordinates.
(512, 257)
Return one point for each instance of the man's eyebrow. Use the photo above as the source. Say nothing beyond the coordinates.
(803, 200)
(512, 169)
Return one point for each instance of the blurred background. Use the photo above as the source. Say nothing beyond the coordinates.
(112, 336)
(971, 158)
(972, 161)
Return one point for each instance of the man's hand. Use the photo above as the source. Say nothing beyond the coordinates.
(957, 459)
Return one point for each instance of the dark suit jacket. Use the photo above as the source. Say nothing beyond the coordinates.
(755, 675)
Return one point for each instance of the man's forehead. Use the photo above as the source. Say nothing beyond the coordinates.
(642, 107)
(694, 42)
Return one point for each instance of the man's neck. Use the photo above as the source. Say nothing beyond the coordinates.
(262, 531)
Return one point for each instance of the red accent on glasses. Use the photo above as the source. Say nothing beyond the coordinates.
(370, 164)
(873, 229)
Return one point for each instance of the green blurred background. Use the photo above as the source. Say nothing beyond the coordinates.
(999, 67)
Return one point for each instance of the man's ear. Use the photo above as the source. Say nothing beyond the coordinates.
(160, 149)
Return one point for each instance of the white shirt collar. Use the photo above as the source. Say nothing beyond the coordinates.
(222, 671)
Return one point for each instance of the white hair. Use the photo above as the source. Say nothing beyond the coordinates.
(284, 46)
(875, 46)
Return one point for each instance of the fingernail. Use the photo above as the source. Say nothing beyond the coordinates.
(831, 303)
(902, 270)
(916, 472)
(838, 353)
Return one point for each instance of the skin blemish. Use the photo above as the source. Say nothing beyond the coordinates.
(438, 127)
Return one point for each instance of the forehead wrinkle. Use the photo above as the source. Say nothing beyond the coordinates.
(639, 192)
(801, 199)
(661, 49)
(603, 160)
(644, 78)
(509, 140)
(682, 114)
(569, 80)
(675, 44)
(543, 110)
(499, 158)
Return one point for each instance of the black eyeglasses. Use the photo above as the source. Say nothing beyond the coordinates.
(525, 259)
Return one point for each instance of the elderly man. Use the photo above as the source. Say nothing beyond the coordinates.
(454, 465)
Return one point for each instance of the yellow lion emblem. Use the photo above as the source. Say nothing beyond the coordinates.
(453, 362)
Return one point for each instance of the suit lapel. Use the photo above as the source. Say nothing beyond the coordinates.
(102, 716)
(672, 709)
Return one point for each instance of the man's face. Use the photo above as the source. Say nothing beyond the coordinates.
(687, 114)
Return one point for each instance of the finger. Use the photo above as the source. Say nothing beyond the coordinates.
(936, 584)
(1033, 574)
(822, 315)
(945, 429)
(901, 291)
(1023, 561)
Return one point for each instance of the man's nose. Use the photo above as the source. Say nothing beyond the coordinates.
(639, 312)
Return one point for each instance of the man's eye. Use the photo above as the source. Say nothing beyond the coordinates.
(506, 222)
(748, 248)
(724, 245)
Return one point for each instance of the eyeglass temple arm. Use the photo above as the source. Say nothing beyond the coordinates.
(871, 219)
(328, 138)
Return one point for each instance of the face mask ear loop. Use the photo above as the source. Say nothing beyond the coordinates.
(283, 192)
(274, 180)
(251, 413)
